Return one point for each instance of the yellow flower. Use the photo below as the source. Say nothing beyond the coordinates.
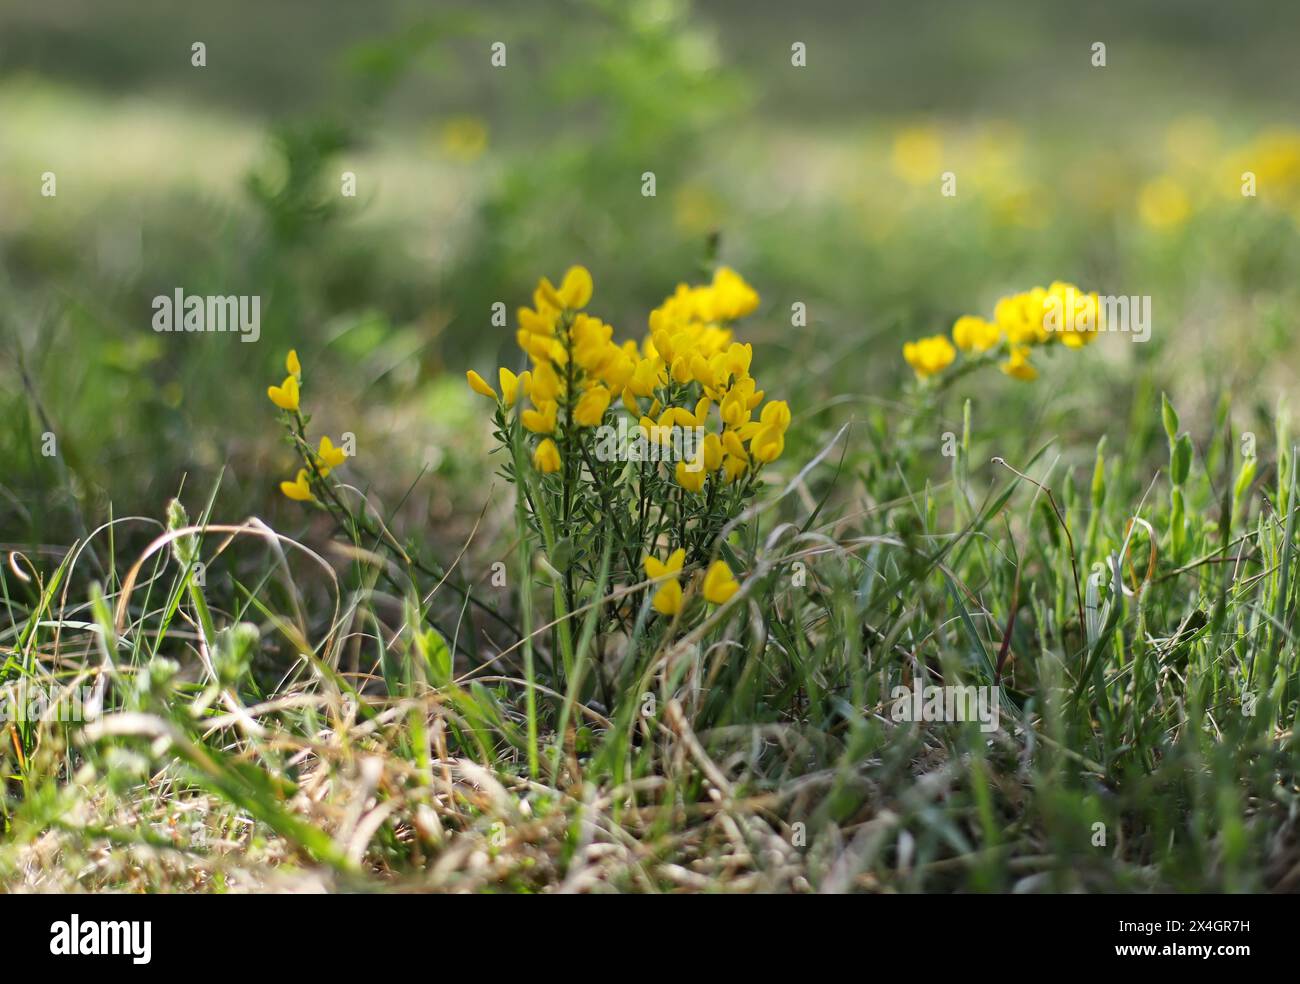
(719, 584)
(1163, 203)
(917, 154)
(776, 414)
(617, 370)
(546, 384)
(974, 334)
(767, 444)
(547, 457)
(464, 138)
(734, 408)
(1074, 316)
(299, 490)
(591, 407)
(478, 384)
(512, 385)
(645, 377)
(711, 450)
(542, 419)
(538, 322)
(1022, 317)
(292, 364)
(691, 476)
(1017, 365)
(668, 599)
(732, 443)
(285, 396)
(575, 288)
(928, 356)
(733, 467)
(328, 457)
(731, 297)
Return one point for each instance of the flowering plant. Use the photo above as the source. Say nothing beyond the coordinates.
(632, 459)
(1021, 324)
(632, 462)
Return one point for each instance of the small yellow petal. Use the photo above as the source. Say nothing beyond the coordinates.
(668, 599)
(575, 288)
(479, 385)
(509, 386)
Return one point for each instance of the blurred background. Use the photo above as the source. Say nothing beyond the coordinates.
(820, 183)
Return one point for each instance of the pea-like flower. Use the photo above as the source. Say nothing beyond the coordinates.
(974, 334)
(541, 419)
(512, 386)
(329, 457)
(691, 475)
(1017, 365)
(547, 457)
(668, 599)
(719, 583)
(285, 396)
(591, 406)
(929, 356)
(299, 490)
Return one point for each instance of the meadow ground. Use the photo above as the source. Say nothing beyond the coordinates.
(463, 653)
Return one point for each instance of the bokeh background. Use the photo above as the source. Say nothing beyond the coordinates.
(819, 183)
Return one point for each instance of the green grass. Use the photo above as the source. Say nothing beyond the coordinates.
(756, 752)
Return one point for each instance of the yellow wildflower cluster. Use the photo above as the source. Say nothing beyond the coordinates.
(718, 587)
(1020, 324)
(688, 364)
(681, 404)
(327, 457)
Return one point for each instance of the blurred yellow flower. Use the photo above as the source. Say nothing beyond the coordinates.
(1163, 203)
(917, 154)
(1017, 364)
(928, 356)
(464, 138)
(479, 385)
(591, 406)
(542, 419)
(974, 334)
(575, 288)
(1021, 317)
(292, 364)
(719, 584)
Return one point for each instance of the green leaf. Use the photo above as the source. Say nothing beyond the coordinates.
(1180, 460)
(1170, 417)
